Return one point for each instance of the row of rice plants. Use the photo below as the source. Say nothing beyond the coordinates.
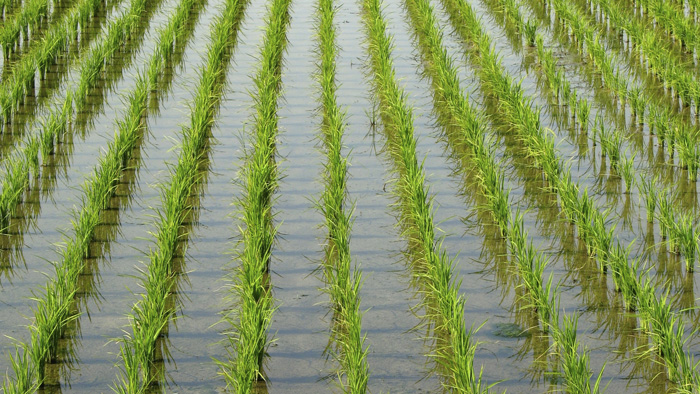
(251, 290)
(56, 124)
(490, 177)
(431, 268)
(21, 83)
(667, 126)
(664, 326)
(11, 29)
(679, 228)
(151, 315)
(610, 140)
(55, 309)
(660, 59)
(674, 22)
(44, 93)
(343, 283)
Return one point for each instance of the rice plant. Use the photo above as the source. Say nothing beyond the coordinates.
(251, 287)
(343, 284)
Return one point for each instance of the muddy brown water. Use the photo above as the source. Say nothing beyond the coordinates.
(397, 349)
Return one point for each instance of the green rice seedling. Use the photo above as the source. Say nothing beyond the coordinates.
(687, 236)
(530, 30)
(688, 150)
(584, 110)
(26, 373)
(649, 193)
(627, 171)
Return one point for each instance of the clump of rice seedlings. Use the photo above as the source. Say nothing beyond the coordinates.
(688, 239)
(343, 285)
(627, 171)
(649, 193)
(530, 30)
(431, 267)
(251, 288)
(638, 103)
(686, 142)
(583, 109)
(610, 144)
(15, 181)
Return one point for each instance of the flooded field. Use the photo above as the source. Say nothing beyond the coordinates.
(302, 196)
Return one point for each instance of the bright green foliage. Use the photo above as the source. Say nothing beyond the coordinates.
(251, 286)
(343, 285)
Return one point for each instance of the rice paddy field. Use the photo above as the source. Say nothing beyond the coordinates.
(307, 196)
